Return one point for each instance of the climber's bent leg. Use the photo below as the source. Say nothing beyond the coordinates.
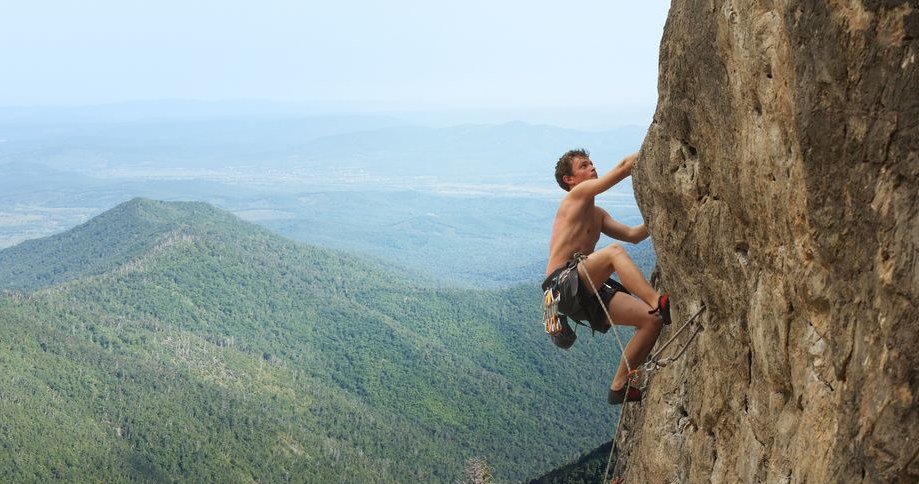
(626, 310)
(613, 258)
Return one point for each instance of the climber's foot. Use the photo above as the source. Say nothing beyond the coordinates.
(615, 397)
(663, 308)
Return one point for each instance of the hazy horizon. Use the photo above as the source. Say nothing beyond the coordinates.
(584, 118)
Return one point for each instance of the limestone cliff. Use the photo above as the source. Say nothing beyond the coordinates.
(780, 180)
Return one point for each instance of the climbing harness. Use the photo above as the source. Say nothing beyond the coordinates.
(653, 364)
(560, 302)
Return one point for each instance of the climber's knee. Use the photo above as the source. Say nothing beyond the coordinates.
(611, 252)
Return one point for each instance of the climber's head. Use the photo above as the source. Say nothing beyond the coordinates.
(573, 168)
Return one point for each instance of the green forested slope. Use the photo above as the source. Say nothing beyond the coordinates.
(103, 243)
(210, 349)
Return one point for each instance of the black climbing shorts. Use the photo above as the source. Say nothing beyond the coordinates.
(575, 299)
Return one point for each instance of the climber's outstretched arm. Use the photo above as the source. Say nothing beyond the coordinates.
(592, 188)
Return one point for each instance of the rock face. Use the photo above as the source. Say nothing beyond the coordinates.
(780, 180)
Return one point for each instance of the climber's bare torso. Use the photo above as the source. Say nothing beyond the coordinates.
(579, 222)
(576, 229)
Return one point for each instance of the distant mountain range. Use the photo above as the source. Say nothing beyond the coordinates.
(468, 151)
(383, 146)
(468, 204)
(173, 341)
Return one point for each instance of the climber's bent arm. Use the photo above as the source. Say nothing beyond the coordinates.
(620, 231)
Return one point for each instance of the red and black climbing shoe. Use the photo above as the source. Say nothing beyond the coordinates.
(663, 308)
(616, 397)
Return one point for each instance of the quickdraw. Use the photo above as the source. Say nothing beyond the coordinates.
(654, 364)
(550, 311)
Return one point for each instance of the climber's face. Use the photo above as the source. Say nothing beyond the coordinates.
(581, 169)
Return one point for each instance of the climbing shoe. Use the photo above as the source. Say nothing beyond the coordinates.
(663, 308)
(615, 397)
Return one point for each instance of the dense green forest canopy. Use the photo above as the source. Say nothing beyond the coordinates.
(172, 341)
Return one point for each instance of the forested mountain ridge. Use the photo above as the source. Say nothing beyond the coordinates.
(173, 341)
(103, 243)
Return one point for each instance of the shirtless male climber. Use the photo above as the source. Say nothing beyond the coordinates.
(577, 228)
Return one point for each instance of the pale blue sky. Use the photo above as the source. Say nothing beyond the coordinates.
(403, 53)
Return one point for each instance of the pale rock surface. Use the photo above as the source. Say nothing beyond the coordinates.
(780, 180)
